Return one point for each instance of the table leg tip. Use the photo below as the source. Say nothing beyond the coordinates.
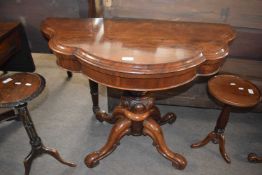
(92, 160)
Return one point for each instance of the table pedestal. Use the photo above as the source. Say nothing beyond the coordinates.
(136, 115)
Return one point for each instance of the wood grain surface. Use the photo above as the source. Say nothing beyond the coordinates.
(19, 88)
(234, 91)
(154, 54)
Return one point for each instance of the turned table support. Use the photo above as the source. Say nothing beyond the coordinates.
(217, 136)
(37, 146)
(94, 93)
(137, 115)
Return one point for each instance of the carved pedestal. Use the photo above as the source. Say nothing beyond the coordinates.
(136, 115)
(37, 146)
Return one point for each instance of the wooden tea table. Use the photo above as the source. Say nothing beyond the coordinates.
(138, 56)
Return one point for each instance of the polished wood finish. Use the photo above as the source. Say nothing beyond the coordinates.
(217, 136)
(195, 94)
(135, 115)
(15, 91)
(253, 158)
(138, 56)
(19, 88)
(232, 91)
(96, 47)
(92, 13)
(248, 32)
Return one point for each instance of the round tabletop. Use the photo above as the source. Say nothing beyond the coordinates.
(19, 88)
(138, 55)
(234, 91)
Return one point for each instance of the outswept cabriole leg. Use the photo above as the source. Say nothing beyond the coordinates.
(219, 137)
(55, 154)
(167, 118)
(222, 150)
(28, 161)
(38, 151)
(253, 158)
(120, 129)
(152, 129)
(37, 147)
(103, 116)
(209, 137)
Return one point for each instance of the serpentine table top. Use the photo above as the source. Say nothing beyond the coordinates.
(154, 54)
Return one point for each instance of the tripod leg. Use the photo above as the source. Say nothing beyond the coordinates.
(54, 153)
(28, 161)
(37, 147)
(209, 137)
(222, 150)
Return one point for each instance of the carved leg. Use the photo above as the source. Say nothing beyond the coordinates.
(253, 158)
(217, 136)
(94, 92)
(55, 154)
(28, 161)
(35, 141)
(121, 128)
(152, 129)
(117, 113)
(103, 116)
(100, 115)
(38, 151)
(209, 137)
(134, 116)
(69, 74)
(222, 150)
(167, 118)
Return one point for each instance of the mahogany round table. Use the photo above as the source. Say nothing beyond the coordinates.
(137, 56)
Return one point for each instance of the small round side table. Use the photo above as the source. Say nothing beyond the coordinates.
(232, 91)
(16, 90)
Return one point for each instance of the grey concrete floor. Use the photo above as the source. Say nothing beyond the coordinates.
(63, 117)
